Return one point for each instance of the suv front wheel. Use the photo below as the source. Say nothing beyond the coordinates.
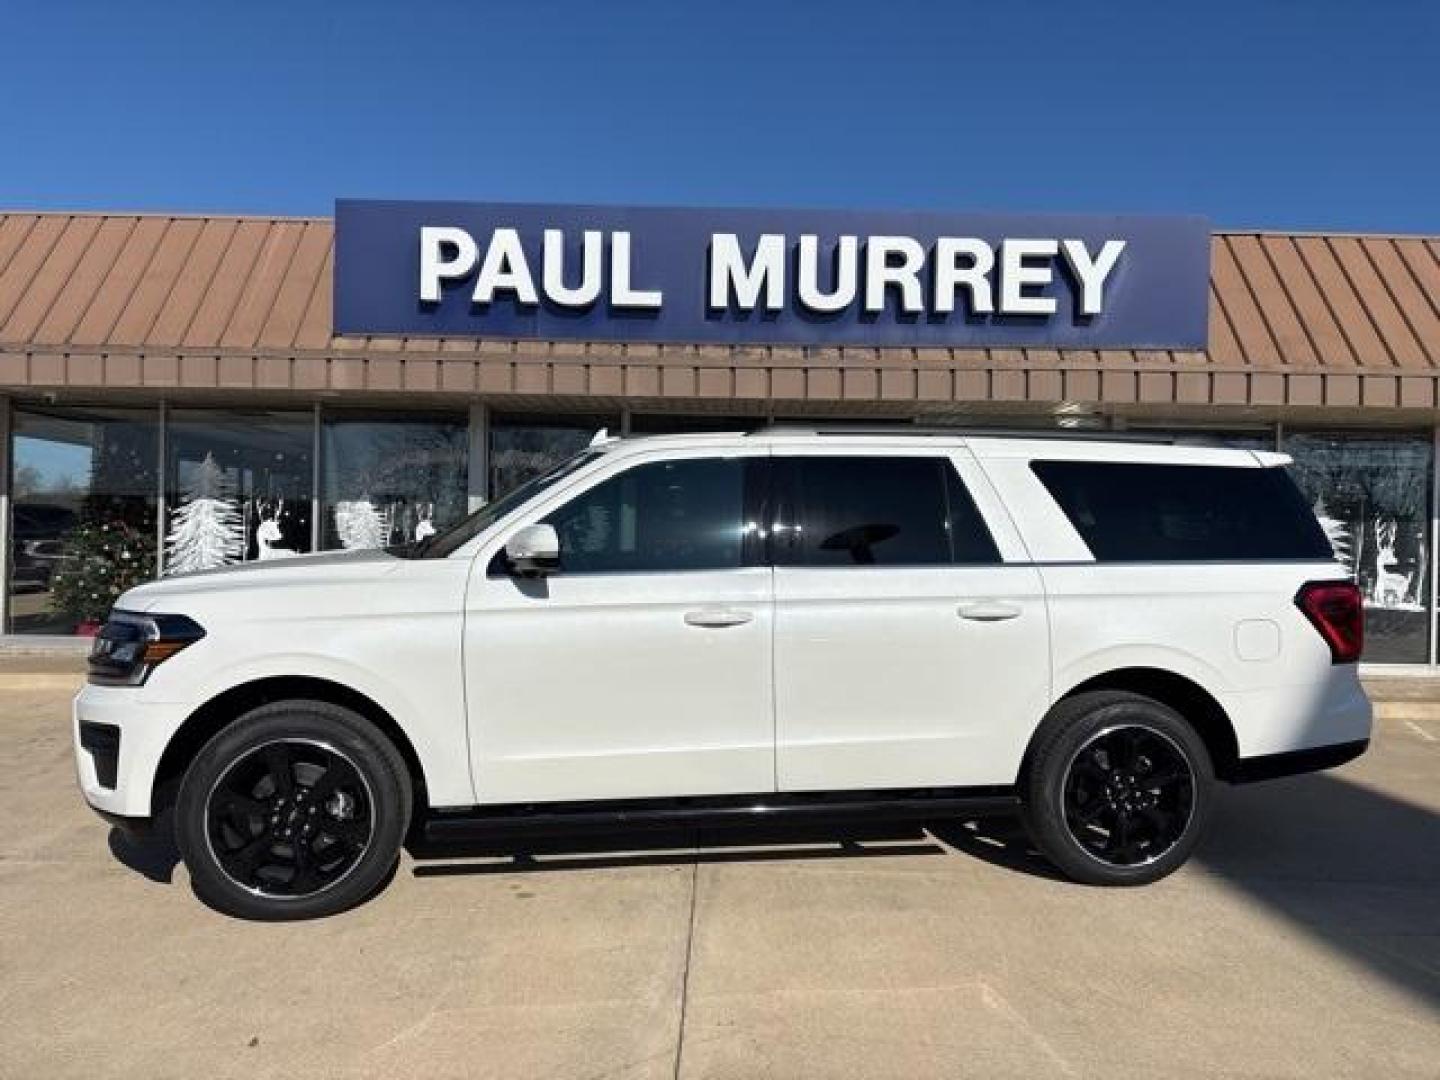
(295, 810)
(1118, 788)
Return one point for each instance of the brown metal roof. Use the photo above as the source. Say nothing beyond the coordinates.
(127, 300)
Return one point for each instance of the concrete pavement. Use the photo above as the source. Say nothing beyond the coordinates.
(1305, 941)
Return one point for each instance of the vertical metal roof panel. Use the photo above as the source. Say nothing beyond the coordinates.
(1224, 347)
(120, 283)
(301, 279)
(1420, 311)
(262, 285)
(316, 325)
(1251, 333)
(82, 288)
(1318, 321)
(191, 283)
(14, 228)
(1379, 304)
(156, 281)
(38, 275)
(1293, 345)
(1342, 299)
(216, 306)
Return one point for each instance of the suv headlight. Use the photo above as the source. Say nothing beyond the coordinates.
(130, 646)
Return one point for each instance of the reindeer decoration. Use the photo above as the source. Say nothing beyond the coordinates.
(1390, 588)
(268, 533)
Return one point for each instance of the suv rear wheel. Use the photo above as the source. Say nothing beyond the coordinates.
(295, 810)
(1118, 790)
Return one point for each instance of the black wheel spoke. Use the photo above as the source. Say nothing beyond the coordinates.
(290, 818)
(1128, 795)
(240, 806)
(281, 767)
(249, 857)
(338, 773)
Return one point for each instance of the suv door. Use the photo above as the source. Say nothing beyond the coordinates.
(643, 666)
(908, 651)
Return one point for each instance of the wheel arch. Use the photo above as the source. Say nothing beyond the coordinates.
(210, 718)
(1195, 703)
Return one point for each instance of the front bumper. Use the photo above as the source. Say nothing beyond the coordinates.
(119, 738)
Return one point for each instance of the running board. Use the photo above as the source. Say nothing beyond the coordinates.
(563, 819)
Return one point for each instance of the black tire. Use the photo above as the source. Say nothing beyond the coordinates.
(1103, 819)
(261, 846)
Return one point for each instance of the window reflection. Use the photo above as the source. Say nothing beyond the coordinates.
(523, 447)
(1372, 497)
(238, 487)
(392, 481)
(83, 528)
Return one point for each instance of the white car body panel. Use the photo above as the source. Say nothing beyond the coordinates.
(580, 687)
(595, 686)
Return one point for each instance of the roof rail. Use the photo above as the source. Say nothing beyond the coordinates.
(957, 432)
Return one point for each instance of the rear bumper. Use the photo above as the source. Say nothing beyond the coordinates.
(1294, 762)
(1328, 711)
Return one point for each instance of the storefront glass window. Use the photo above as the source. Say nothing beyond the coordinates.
(670, 424)
(391, 481)
(85, 488)
(238, 487)
(522, 447)
(1372, 496)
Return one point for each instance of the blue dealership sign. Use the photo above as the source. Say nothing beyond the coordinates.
(797, 277)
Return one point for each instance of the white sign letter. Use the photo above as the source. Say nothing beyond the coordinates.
(553, 272)
(1015, 277)
(973, 273)
(728, 272)
(505, 268)
(435, 267)
(1092, 272)
(621, 293)
(905, 275)
(843, 294)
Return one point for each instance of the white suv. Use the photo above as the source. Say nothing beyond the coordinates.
(711, 628)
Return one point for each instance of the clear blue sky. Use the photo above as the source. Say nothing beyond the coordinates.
(1299, 114)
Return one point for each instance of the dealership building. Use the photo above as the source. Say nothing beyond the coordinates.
(179, 391)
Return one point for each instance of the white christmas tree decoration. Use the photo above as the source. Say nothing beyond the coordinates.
(205, 530)
(360, 525)
(1336, 533)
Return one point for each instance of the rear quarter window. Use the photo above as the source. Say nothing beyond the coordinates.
(1130, 512)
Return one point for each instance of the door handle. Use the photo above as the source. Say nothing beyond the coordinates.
(718, 617)
(989, 611)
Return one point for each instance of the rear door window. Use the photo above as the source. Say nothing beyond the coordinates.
(877, 511)
(1133, 512)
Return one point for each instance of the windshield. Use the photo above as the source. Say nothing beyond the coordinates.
(452, 539)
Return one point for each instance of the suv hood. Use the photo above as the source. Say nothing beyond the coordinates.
(337, 568)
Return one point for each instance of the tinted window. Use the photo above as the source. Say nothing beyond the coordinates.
(667, 515)
(878, 511)
(1148, 513)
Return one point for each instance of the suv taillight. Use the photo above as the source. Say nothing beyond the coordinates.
(1334, 608)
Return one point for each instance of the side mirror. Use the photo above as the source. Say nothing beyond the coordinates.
(533, 551)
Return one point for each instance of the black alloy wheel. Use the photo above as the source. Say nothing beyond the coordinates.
(291, 818)
(295, 810)
(1116, 789)
(1129, 795)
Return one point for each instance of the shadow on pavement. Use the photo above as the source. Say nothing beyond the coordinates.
(670, 848)
(154, 857)
(1356, 869)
